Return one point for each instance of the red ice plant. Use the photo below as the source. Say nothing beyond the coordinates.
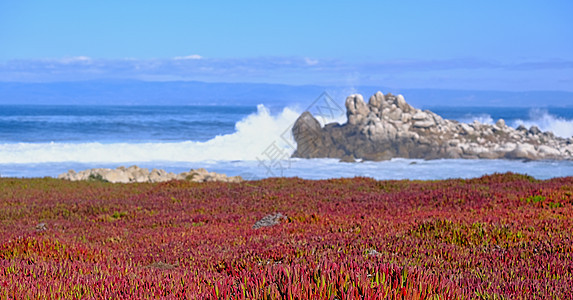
(504, 235)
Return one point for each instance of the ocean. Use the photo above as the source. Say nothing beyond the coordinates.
(251, 141)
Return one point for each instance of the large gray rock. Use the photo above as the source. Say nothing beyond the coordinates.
(356, 109)
(308, 134)
(389, 127)
(523, 151)
(116, 175)
(548, 151)
(269, 221)
(377, 100)
(401, 103)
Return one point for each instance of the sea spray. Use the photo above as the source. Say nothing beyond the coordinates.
(542, 118)
(253, 134)
(547, 122)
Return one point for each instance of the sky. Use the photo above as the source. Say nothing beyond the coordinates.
(483, 45)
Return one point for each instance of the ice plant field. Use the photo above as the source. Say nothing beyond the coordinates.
(503, 236)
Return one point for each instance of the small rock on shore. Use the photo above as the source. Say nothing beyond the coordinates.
(137, 174)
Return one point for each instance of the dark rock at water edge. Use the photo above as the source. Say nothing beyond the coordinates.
(387, 127)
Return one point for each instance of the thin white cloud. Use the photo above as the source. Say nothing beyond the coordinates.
(450, 73)
(75, 59)
(188, 57)
(310, 62)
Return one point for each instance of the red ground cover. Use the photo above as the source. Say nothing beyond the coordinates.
(504, 235)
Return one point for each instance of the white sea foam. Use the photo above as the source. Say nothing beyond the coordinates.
(547, 122)
(255, 136)
(537, 117)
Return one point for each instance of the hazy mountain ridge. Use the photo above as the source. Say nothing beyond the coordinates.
(132, 92)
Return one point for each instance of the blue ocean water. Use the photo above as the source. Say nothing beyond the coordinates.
(36, 124)
(37, 141)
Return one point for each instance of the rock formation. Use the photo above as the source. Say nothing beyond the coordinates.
(137, 174)
(388, 127)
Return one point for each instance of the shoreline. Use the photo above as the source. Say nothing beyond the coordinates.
(238, 179)
(395, 169)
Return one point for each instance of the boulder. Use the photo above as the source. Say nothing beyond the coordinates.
(348, 159)
(401, 103)
(356, 109)
(420, 116)
(269, 221)
(424, 124)
(466, 128)
(308, 134)
(548, 152)
(377, 100)
(116, 175)
(534, 130)
(522, 151)
(521, 128)
(41, 227)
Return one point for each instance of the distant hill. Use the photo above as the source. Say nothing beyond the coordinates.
(133, 92)
(150, 93)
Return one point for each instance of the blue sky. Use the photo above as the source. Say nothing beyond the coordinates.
(500, 45)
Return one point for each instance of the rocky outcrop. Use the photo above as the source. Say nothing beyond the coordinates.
(388, 127)
(137, 174)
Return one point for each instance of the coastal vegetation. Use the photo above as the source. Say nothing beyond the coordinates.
(501, 236)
